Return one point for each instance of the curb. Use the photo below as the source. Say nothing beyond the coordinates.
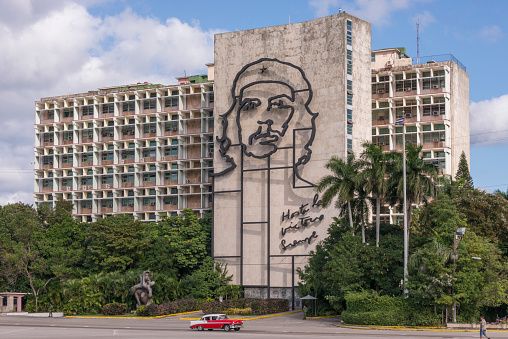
(111, 317)
(402, 328)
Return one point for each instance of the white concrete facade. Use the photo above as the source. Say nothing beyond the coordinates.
(433, 97)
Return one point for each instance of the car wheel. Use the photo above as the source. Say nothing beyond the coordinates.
(200, 328)
(237, 329)
(227, 328)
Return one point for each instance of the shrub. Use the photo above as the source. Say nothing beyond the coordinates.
(114, 309)
(177, 306)
(239, 311)
(142, 311)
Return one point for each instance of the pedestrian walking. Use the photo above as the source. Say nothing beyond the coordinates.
(483, 328)
(50, 310)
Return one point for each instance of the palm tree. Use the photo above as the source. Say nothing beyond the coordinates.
(374, 171)
(341, 184)
(421, 179)
(361, 205)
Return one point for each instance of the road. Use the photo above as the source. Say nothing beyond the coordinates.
(286, 326)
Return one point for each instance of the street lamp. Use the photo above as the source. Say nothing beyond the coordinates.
(456, 239)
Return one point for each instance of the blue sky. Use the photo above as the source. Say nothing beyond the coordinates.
(55, 47)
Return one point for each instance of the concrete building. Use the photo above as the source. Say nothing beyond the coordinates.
(432, 94)
(287, 99)
(143, 149)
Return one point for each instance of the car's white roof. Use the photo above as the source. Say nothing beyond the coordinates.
(213, 315)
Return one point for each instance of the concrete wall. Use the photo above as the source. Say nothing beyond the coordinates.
(459, 115)
(318, 47)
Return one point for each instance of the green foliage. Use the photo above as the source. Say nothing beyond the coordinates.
(463, 174)
(115, 243)
(369, 308)
(239, 311)
(178, 245)
(143, 311)
(114, 309)
(174, 307)
(206, 282)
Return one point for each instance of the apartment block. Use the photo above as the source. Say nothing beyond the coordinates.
(432, 94)
(142, 149)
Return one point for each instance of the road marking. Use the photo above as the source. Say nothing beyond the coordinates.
(114, 332)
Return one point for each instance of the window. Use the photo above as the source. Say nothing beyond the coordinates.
(87, 110)
(349, 24)
(86, 181)
(48, 137)
(349, 99)
(107, 155)
(373, 131)
(171, 126)
(149, 104)
(149, 128)
(384, 131)
(350, 85)
(372, 57)
(86, 204)
(349, 38)
(426, 155)
(67, 159)
(148, 201)
(108, 108)
(68, 113)
(85, 157)
(87, 134)
(350, 114)
(172, 150)
(426, 128)
(128, 178)
(66, 182)
(410, 129)
(171, 102)
(350, 129)
(67, 135)
(107, 179)
(149, 177)
(47, 183)
(128, 107)
(128, 202)
(171, 175)
(439, 127)
(107, 203)
(212, 98)
(349, 144)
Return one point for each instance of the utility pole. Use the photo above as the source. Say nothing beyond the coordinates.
(406, 234)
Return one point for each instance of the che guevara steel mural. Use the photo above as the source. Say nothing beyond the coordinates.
(269, 113)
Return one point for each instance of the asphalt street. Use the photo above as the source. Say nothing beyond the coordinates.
(285, 326)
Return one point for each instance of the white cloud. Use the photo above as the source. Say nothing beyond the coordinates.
(489, 121)
(377, 12)
(491, 34)
(425, 18)
(61, 48)
(323, 6)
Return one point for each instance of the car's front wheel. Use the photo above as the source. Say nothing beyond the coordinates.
(237, 329)
(227, 328)
(200, 328)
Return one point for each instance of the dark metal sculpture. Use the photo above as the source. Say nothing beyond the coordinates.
(142, 292)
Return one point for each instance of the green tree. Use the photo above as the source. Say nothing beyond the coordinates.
(116, 243)
(463, 171)
(341, 184)
(178, 244)
(421, 179)
(374, 171)
(502, 194)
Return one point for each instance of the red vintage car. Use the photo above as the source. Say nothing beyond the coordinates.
(216, 321)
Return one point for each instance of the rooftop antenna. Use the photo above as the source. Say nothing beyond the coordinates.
(418, 41)
(184, 74)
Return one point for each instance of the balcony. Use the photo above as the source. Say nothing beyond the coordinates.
(148, 207)
(127, 184)
(107, 162)
(46, 189)
(436, 144)
(108, 209)
(86, 163)
(68, 141)
(127, 208)
(85, 211)
(148, 183)
(171, 182)
(149, 159)
(433, 117)
(380, 122)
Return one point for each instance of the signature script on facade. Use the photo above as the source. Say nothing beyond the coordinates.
(300, 219)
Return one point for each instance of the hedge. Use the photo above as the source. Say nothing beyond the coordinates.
(114, 309)
(177, 306)
(369, 308)
(258, 306)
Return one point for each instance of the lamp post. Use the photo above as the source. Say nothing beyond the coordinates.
(456, 239)
(406, 235)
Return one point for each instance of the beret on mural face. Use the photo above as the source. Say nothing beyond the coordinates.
(271, 70)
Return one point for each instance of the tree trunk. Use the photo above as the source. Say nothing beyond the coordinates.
(363, 232)
(350, 215)
(378, 219)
